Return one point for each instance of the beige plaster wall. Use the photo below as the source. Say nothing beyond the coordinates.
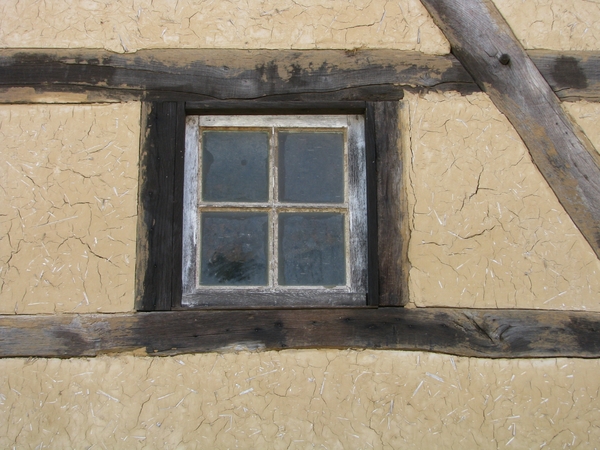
(127, 26)
(487, 231)
(298, 400)
(68, 204)
(587, 115)
(130, 25)
(554, 24)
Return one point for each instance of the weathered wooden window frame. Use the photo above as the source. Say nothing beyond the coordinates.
(161, 223)
(353, 292)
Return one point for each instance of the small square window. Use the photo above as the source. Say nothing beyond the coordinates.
(274, 211)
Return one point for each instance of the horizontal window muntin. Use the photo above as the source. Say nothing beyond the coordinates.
(347, 208)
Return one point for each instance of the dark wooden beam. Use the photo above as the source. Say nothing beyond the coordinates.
(479, 333)
(160, 206)
(373, 229)
(307, 75)
(252, 107)
(573, 75)
(484, 43)
(229, 74)
(80, 76)
(392, 205)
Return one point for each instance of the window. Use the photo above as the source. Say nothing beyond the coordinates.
(274, 211)
(186, 202)
(313, 82)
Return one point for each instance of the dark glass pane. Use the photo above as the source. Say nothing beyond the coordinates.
(311, 249)
(235, 166)
(234, 249)
(311, 167)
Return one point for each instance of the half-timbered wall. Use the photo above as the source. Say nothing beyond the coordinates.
(487, 232)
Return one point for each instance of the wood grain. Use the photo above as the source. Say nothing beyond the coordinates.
(573, 75)
(160, 206)
(226, 74)
(80, 76)
(484, 43)
(392, 226)
(372, 194)
(478, 333)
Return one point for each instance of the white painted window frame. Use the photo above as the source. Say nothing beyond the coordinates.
(354, 293)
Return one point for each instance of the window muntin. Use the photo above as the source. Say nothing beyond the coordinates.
(314, 203)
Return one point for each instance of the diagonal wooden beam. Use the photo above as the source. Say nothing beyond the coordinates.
(484, 43)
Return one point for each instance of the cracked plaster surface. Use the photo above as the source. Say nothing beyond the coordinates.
(68, 205)
(554, 24)
(586, 114)
(300, 399)
(127, 26)
(486, 229)
(130, 25)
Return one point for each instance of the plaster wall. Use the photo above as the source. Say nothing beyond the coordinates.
(130, 25)
(554, 24)
(298, 400)
(68, 202)
(127, 26)
(487, 231)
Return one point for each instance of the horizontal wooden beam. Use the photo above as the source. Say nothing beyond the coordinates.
(572, 75)
(221, 74)
(464, 332)
(80, 76)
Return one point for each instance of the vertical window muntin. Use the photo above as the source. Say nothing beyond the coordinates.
(352, 129)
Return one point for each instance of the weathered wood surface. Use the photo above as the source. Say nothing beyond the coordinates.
(229, 74)
(240, 107)
(484, 43)
(79, 76)
(573, 75)
(160, 210)
(480, 333)
(392, 225)
(372, 198)
(232, 298)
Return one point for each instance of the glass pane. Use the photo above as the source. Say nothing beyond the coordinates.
(234, 249)
(311, 249)
(311, 167)
(235, 166)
